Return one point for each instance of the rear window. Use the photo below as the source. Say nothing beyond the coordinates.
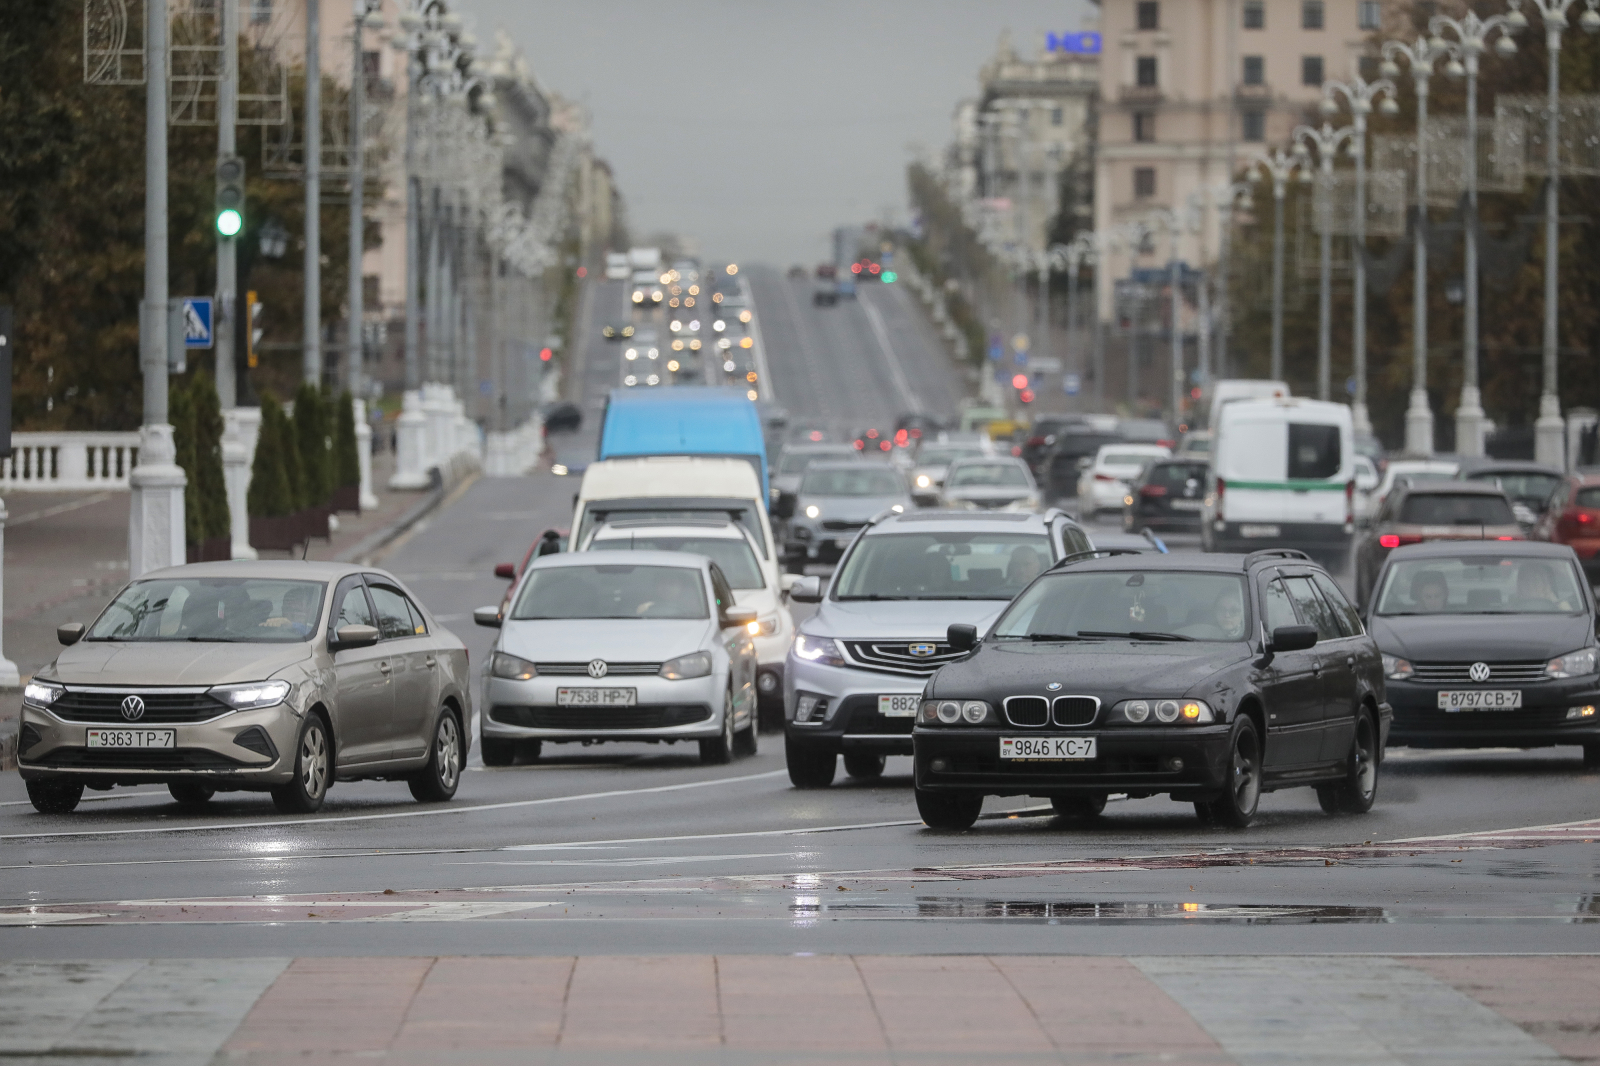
(989, 475)
(1313, 452)
(1528, 487)
(1587, 498)
(1438, 509)
(1125, 459)
(1177, 474)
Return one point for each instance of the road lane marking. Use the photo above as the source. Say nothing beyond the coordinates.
(711, 836)
(875, 317)
(423, 813)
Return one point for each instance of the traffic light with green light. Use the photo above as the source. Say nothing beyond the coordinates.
(889, 276)
(230, 196)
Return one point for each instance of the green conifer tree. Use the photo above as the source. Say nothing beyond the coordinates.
(311, 438)
(269, 495)
(347, 463)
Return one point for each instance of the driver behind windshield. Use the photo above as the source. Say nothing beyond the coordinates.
(1430, 592)
(1536, 589)
(1024, 566)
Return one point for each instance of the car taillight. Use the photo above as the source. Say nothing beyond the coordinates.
(1167, 443)
(1153, 490)
(1222, 486)
(1104, 477)
(884, 445)
(1506, 538)
(1393, 540)
(860, 444)
(1035, 442)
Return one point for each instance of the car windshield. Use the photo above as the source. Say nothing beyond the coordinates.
(989, 475)
(1480, 584)
(1126, 459)
(842, 481)
(1527, 487)
(944, 456)
(1151, 605)
(737, 561)
(943, 566)
(796, 462)
(1439, 509)
(221, 609)
(620, 590)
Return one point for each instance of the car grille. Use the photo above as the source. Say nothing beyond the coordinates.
(837, 526)
(1452, 673)
(599, 719)
(895, 655)
(136, 759)
(861, 717)
(1075, 710)
(1027, 710)
(83, 705)
(612, 669)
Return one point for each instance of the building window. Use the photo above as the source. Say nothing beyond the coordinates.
(1057, 115)
(1255, 70)
(1368, 68)
(260, 11)
(1144, 182)
(1310, 70)
(1149, 15)
(1255, 15)
(1144, 126)
(1145, 72)
(370, 64)
(1253, 126)
(1370, 15)
(1311, 14)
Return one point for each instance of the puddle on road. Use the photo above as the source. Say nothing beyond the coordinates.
(1072, 910)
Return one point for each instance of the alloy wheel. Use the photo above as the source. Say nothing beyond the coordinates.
(314, 762)
(1246, 782)
(447, 750)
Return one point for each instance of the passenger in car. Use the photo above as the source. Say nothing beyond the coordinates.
(1536, 590)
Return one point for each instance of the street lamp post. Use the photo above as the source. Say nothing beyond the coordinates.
(1549, 445)
(1228, 195)
(1080, 251)
(1277, 165)
(1358, 95)
(1420, 57)
(364, 16)
(1175, 225)
(311, 328)
(1327, 142)
(1471, 34)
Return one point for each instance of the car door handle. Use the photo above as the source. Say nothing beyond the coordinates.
(1349, 660)
(432, 662)
(384, 667)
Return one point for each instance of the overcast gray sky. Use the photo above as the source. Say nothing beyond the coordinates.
(756, 126)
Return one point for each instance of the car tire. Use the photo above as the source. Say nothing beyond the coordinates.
(190, 793)
(1356, 793)
(864, 767)
(497, 752)
(809, 767)
(719, 749)
(1591, 756)
(1081, 805)
(748, 741)
(1205, 812)
(313, 769)
(530, 750)
(949, 810)
(438, 780)
(54, 797)
(1236, 807)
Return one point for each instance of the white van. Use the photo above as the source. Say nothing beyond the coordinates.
(617, 266)
(1232, 390)
(1282, 475)
(697, 488)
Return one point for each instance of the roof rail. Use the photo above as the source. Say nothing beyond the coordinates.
(1078, 557)
(1275, 553)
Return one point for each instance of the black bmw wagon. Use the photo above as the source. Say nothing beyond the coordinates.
(1210, 678)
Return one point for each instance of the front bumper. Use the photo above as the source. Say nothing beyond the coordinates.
(1134, 760)
(1315, 537)
(820, 545)
(1540, 722)
(851, 722)
(664, 710)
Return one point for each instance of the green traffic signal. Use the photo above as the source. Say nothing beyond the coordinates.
(229, 222)
(889, 275)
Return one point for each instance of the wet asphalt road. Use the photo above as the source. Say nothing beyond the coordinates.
(641, 849)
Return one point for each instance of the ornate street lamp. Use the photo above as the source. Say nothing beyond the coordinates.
(1327, 141)
(1278, 165)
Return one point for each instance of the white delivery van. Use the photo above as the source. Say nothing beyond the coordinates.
(692, 488)
(617, 266)
(1282, 476)
(1232, 390)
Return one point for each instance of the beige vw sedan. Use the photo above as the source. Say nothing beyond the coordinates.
(272, 676)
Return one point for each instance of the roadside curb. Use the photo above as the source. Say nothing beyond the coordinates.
(11, 705)
(441, 485)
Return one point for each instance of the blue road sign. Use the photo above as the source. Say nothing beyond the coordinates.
(1020, 357)
(1079, 44)
(997, 346)
(1071, 384)
(196, 322)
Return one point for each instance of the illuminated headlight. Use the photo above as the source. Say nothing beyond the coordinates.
(813, 511)
(694, 325)
(821, 650)
(656, 296)
(694, 344)
(252, 695)
(1396, 669)
(631, 353)
(653, 379)
(511, 667)
(694, 290)
(42, 693)
(729, 366)
(953, 712)
(764, 627)
(558, 469)
(744, 316)
(1167, 712)
(630, 380)
(724, 344)
(652, 352)
(1573, 664)
(1127, 501)
(1586, 711)
(675, 326)
(898, 508)
(695, 664)
(677, 345)
(924, 481)
(638, 297)
(672, 365)
(719, 325)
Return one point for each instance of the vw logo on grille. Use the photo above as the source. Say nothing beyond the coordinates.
(1479, 672)
(922, 651)
(133, 708)
(597, 668)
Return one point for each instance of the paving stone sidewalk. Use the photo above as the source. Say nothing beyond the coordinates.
(742, 1009)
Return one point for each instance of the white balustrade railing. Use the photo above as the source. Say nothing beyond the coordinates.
(68, 461)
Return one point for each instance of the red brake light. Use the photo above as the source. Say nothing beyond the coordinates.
(1104, 477)
(1153, 490)
(1505, 538)
(1035, 442)
(1016, 451)
(884, 445)
(1582, 517)
(860, 444)
(816, 434)
(855, 268)
(872, 434)
(1389, 540)
(874, 268)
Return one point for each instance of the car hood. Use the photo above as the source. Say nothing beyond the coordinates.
(568, 640)
(900, 619)
(1487, 637)
(764, 601)
(987, 493)
(849, 508)
(1110, 670)
(153, 662)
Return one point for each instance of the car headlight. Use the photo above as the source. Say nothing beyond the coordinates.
(511, 667)
(924, 481)
(42, 693)
(822, 650)
(1396, 669)
(638, 297)
(955, 712)
(1164, 712)
(765, 627)
(252, 695)
(813, 511)
(1573, 664)
(695, 664)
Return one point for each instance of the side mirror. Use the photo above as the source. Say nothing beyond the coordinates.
(738, 617)
(1293, 638)
(962, 637)
(508, 571)
(347, 637)
(69, 633)
(785, 507)
(487, 616)
(1085, 463)
(786, 583)
(806, 589)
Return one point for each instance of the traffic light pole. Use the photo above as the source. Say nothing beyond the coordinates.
(312, 323)
(222, 329)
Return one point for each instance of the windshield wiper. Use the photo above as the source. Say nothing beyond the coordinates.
(876, 596)
(1138, 634)
(1051, 637)
(216, 640)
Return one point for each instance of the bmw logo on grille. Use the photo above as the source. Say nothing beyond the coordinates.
(922, 651)
(1479, 672)
(1054, 686)
(597, 668)
(133, 708)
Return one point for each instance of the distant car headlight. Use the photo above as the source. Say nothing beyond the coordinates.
(638, 297)
(42, 693)
(252, 695)
(1573, 664)
(813, 511)
(1166, 712)
(684, 667)
(765, 627)
(898, 508)
(924, 481)
(1397, 669)
(511, 667)
(656, 296)
(953, 712)
(822, 650)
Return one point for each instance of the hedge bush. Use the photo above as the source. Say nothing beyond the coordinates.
(271, 495)
(346, 462)
(207, 476)
(311, 439)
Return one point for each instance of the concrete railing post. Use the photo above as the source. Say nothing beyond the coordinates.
(410, 443)
(241, 429)
(367, 498)
(9, 678)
